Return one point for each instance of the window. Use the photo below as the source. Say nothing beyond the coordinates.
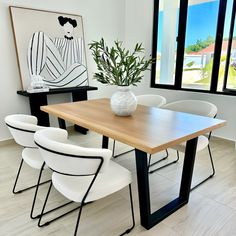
(194, 43)
(199, 44)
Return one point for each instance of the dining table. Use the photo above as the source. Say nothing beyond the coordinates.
(148, 130)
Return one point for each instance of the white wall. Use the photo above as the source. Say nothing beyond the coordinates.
(101, 18)
(138, 28)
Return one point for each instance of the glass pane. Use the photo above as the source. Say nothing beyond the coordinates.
(200, 43)
(166, 41)
(231, 75)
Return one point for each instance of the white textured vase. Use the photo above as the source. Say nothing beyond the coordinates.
(123, 101)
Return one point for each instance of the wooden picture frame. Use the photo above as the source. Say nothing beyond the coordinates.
(50, 48)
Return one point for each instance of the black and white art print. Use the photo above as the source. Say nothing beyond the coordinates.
(50, 48)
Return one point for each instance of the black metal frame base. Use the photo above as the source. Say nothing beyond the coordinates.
(35, 196)
(54, 209)
(36, 191)
(132, 213)
(148, 219)
(80, 209)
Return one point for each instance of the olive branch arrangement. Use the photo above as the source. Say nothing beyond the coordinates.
(118, 66)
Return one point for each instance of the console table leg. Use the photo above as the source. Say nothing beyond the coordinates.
(37, 100)
(105, 141)
(62, 123)
(80, 96)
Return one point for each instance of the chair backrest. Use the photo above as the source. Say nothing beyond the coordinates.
(22, 128)
(67, 158)
(151, 100)
(197, 107)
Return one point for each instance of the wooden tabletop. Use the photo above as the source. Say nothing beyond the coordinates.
(148, 129)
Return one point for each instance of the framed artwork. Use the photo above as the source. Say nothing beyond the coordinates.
(50, 48)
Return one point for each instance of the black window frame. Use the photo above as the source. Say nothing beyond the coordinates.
(183, 11)
(231, 33)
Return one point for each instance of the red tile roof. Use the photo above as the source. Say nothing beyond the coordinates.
(211, 48)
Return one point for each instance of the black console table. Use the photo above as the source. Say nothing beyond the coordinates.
(40, 99)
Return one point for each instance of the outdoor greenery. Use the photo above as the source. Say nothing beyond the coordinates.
(199, 45)
(118, 66)
(191, 63)
(207, 70)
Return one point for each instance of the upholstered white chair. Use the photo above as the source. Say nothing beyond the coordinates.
(80, 174)
(197, 107)
(151, 100)
(22, 128)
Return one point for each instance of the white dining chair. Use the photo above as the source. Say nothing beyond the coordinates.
(152, 100)
(22, 127)
(197, 107)
(82, 175)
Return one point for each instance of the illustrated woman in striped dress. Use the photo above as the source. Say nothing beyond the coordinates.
(58, 62)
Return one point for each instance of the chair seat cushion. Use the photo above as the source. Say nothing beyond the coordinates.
(201, 144)
(74, 188)
(33, 157)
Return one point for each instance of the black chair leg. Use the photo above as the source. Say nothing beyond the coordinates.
(17, 177)
(213, 170)
(78, 219)
(44, 205)
(211, 159)
(36, 192)
(168, 164)
(154, 163)
(56, 208)
(132, 212)
(113, 147)
(120, 154)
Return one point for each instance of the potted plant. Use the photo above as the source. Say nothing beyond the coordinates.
(121, 67)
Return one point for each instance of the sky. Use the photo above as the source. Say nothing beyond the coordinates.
(201, 22)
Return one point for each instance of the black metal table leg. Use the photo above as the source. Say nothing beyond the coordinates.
(148, 219)
(143, 187)
(187, 171)
(36, 100)
(62, 123)
(80, 96)
(105, 141)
